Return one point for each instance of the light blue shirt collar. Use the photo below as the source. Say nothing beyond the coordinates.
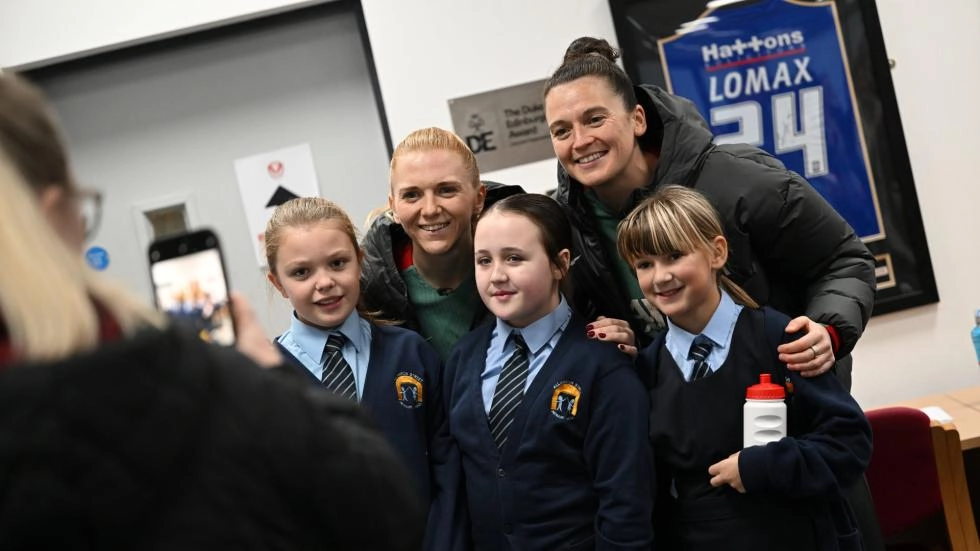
(537, 334)
(719, 330)
(541, 337)
(313, 340)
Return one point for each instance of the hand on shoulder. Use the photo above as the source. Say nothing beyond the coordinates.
(615, 331)
(813, 353)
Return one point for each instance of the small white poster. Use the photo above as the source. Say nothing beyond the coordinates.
(270, 179)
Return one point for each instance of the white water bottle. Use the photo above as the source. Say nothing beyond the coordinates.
(764, 416)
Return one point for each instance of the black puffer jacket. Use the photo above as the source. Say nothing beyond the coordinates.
(383, 291)
(788, 248)
(161, 442)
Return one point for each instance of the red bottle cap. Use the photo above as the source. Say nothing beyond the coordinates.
(765, 390)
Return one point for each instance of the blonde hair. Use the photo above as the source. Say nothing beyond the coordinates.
(48, 296)
(303, 212)
(437, 139)
(674, 219)
(377, 212)
(308, 211)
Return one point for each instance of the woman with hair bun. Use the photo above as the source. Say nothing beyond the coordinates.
(616, 143)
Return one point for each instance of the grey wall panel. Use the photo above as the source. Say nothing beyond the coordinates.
(171, 121)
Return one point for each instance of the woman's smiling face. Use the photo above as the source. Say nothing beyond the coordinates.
(435, 200)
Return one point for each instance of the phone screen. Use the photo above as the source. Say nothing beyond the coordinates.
(192, 289)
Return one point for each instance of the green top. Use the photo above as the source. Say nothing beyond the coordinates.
(608, 222)
(444, 318)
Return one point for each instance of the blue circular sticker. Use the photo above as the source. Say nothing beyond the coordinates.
(97, 258)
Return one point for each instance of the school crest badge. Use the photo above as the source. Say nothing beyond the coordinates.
(408, 389)
(565, 399)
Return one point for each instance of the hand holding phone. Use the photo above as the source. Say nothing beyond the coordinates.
(251, 339)
(190, 284)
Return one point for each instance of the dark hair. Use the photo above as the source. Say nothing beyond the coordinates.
(545, 213)
(29, 134)
(587, 56)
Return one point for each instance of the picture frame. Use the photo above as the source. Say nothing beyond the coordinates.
(905, 277)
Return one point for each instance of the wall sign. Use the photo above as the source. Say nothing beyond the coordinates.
(504, 127)
(97, 258)
(267, 180)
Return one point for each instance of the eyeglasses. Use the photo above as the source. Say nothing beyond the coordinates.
(90, 207)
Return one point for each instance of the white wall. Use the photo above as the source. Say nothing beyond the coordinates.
(910, 353)
(926, 350)
(42, 31)
(427, 51)
(457, 48)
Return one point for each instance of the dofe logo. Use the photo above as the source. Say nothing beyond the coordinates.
(479, 141)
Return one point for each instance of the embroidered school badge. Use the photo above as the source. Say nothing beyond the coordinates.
(564, 400)
(408, 389)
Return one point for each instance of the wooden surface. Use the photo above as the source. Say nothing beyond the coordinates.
(963, 406)
(969, 396)
(960, 521)
(960, 433)
(949, 442)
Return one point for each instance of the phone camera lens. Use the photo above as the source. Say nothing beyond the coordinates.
(155, 255)
(210, 242)
(182, 248)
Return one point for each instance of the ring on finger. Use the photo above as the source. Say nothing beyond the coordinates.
(814, 350)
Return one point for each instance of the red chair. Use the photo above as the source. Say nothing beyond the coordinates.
(918, 484)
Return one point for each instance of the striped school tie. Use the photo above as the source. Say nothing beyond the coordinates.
(509, 392)
(700, 349)
(338, 377)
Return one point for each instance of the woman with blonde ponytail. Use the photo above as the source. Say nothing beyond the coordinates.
(51, 304)
(418, 256)
(118, 431)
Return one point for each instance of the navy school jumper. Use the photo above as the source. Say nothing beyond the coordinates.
(793, 486)
(402, 394)
(573, 475)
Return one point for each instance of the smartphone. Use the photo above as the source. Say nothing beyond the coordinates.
(191, 286)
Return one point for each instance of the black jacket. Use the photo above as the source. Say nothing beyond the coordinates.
(383, 291)
(161, 442)
(788, 248)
